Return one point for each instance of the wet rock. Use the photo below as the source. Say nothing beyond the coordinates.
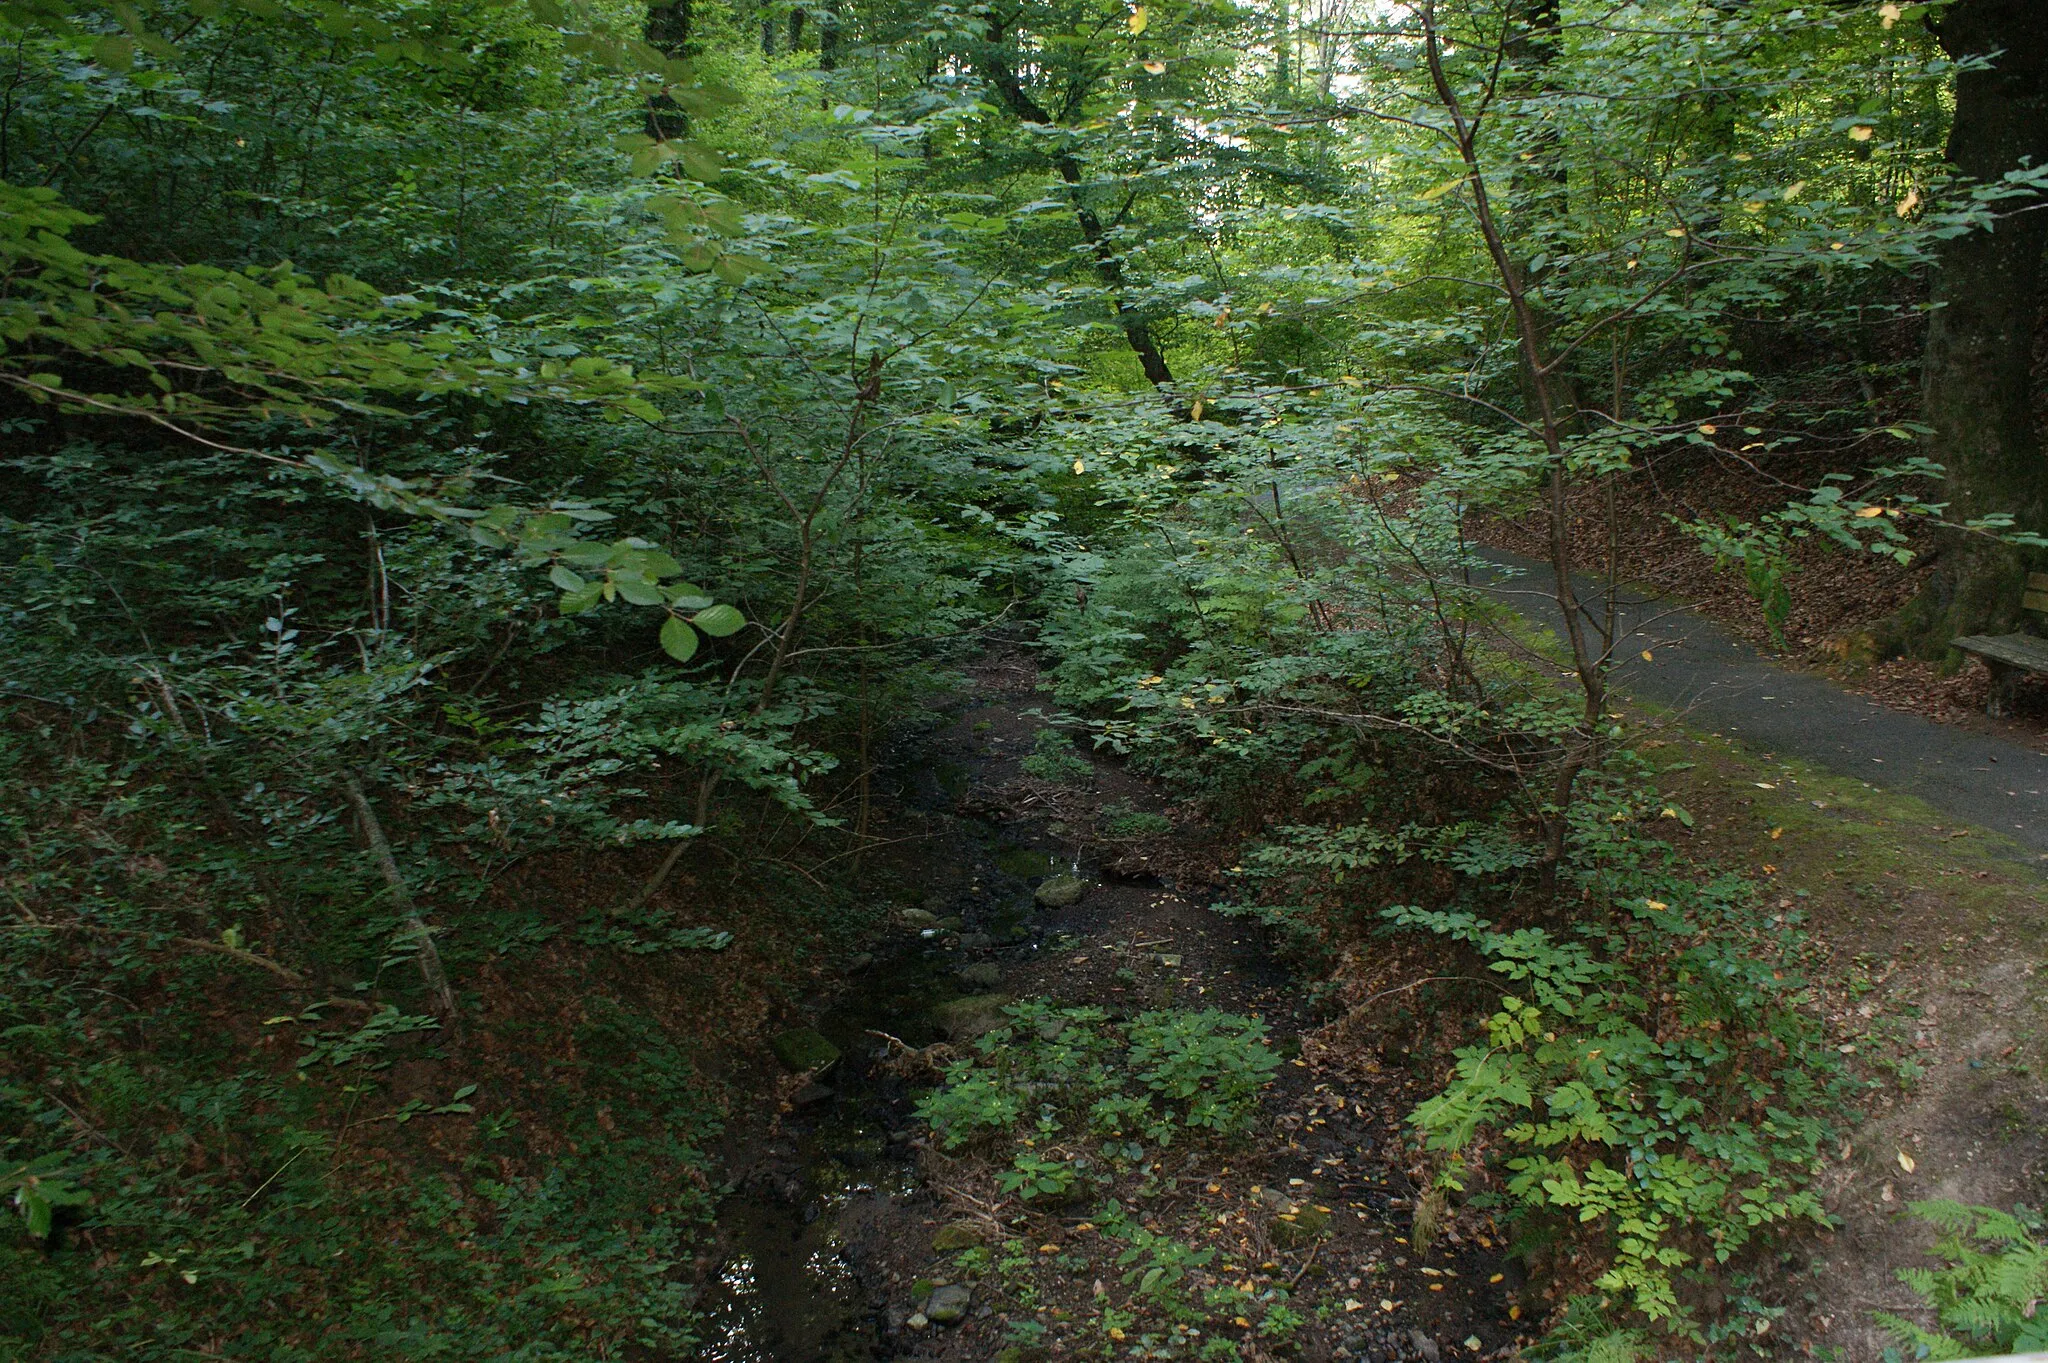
(948, 1305)
(1062, 891)
(860, 961)
(981, 975)
(804, 1048)
(968, 1018)
(957, 1236)
(812, 1095)
(1424, 1347)
(917, 1321)
(976, 941)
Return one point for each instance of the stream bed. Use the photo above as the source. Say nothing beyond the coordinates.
(790, 1287)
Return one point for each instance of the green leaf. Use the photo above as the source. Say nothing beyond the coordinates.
(582, 599)
(699, 162)
(719, 621)
(639, 591)
(568, 581)
(678, 640)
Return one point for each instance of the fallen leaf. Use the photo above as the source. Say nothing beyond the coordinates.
(1777, 833)
(1496, 1277)
(1155, 68)
(1656, 904)
(1869, 513)
(1909, 203)
(1386, 1305)
(1905, 1161)
(1648, 657)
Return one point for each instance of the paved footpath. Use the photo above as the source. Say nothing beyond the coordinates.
(1722, 684)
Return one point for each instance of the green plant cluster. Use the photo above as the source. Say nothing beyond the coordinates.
(1082, 1096)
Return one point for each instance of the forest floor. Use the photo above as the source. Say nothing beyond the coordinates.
(1936, 934)
(1933, 931)
(1050, 1281)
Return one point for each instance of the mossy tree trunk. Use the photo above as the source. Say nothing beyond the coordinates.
(1977, 378)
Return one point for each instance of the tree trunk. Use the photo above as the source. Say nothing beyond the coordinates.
(1109, 266)
(1977, 374)
(668, 32)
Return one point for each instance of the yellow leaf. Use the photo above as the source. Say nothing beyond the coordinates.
(1514, 1313)
(1869, 513)
(1905, 1161)
(1649, 657)
(1708, 428)
(1195, 412)
(1155, 68)
(1431, 195)
(1657, 904)
(1496, 1278)
(1887, 15)
(1793, 190)
(1909, 203)
(1138, 20)
(1674, 232)
(1862, 132)
(1386, 1305)
(1080, 466)
(1777, 833)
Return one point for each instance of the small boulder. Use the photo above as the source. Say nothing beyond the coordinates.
(804, 1048)
(917, 918)
(812, 1095)
(948, 1305)
(952, 922)
(981, 975)
(976, 941)
(1302, 1226)
(1061, 891)
(965, 1019)
(956, 1237)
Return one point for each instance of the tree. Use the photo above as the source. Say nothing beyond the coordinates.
(1977, 376)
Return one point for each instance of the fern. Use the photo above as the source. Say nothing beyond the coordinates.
(1986, 1296)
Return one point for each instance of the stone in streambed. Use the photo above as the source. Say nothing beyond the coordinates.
(917, 918)
(948, 1305)
(981, 975)
(968, 1018)
(957, 1236)
(1061, 892)
(804, 1048)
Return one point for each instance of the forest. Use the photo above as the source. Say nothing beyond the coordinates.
(795, 681)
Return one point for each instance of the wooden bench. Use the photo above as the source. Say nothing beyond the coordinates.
(2012, 656)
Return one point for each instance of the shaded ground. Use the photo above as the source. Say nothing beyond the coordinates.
(1935, 930)
(830, 1238)
(1937, 935)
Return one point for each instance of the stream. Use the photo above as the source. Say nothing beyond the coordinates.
(789, 1289)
